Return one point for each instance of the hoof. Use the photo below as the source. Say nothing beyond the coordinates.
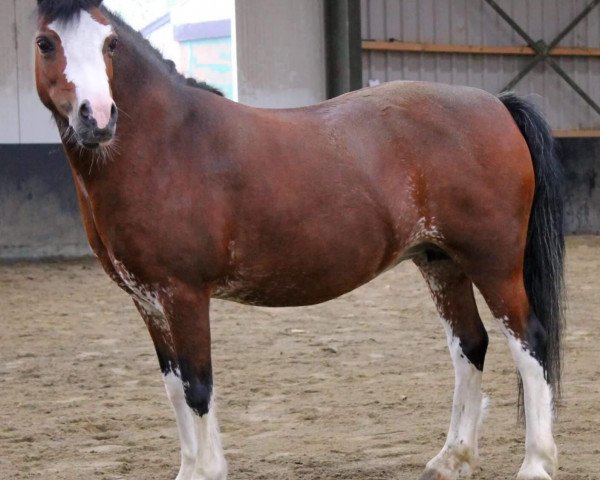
(210, 476)
(216, 473)
(542, 469)
(430, 474)
(537, 475)
(541, 476)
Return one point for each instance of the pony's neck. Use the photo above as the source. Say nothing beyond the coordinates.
(141, 83)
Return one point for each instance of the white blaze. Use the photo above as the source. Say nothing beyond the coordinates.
(82, 41)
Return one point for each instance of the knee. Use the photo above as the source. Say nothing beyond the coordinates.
(197, 396)
(537, 339)
(197, 387)
(475, 346)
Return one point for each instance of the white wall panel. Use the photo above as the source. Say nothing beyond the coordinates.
(9, 103)
(36, 124)
(280, 52)
(23, 119)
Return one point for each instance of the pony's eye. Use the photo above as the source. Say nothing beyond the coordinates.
(112, 46)
(45, 45)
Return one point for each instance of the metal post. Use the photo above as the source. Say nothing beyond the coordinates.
(343, 45)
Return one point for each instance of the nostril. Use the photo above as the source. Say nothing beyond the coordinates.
(85, 111)
(113, 112)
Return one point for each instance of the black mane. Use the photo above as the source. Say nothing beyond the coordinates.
(169, 65)
(64, 10)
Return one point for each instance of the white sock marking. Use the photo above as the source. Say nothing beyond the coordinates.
(540, 449)
(202, 455)
(185, 426)
(461, 448)
(541, 459)
(210, 464)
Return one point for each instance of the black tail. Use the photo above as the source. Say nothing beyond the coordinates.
(544, 252)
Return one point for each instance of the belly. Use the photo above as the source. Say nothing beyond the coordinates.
(283, 292)
(307, 276)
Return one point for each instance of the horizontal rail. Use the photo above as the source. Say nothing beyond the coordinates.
(397, 46)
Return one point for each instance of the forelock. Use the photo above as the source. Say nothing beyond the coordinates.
(64, 10)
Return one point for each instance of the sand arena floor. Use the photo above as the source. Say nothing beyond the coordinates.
(358, 388)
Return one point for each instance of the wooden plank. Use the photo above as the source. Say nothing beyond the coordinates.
(575, 52)
(395, 46)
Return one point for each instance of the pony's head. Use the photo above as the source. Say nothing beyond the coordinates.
(75, 44)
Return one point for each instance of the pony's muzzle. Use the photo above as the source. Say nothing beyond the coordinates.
(88, 131)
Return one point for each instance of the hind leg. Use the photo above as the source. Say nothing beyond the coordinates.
(452, 292)
(528, 344)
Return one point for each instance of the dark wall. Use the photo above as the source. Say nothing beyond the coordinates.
(39, 215)
(581, 160)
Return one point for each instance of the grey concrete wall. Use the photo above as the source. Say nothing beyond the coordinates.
(581, 160)
(280, 52)
(39, 215)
